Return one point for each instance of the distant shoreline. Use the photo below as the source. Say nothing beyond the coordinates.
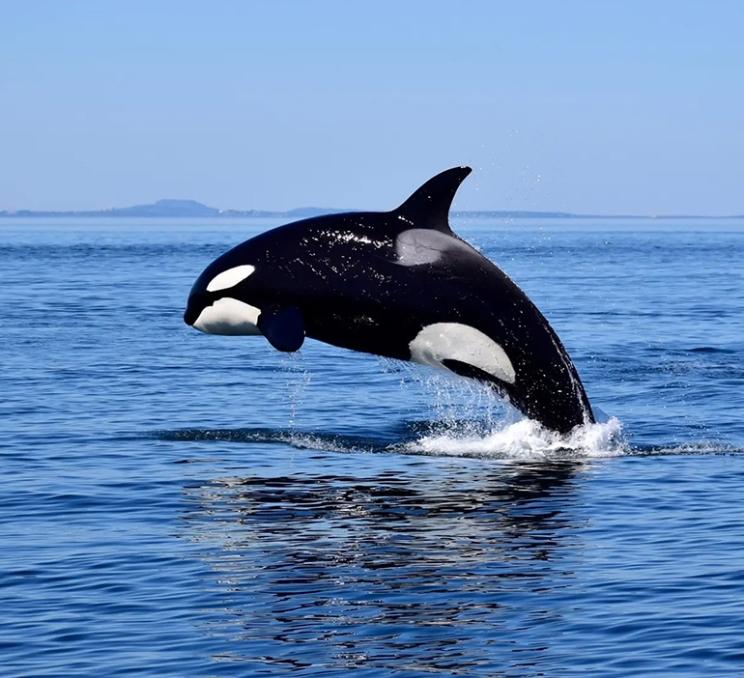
(179, 209)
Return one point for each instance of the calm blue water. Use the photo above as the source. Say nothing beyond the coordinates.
(190, 505)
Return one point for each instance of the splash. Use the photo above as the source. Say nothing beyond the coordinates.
(525, 439)
(469, 420)
(298, 379)
(465, 419)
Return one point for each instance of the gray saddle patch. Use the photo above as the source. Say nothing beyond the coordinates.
(418, 246)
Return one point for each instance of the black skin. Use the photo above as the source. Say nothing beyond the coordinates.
(338, 279)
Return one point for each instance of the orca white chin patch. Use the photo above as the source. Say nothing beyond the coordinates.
(230, 277)
(455, 341)
(228, 316)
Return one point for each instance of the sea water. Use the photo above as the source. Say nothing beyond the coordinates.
(180, 504)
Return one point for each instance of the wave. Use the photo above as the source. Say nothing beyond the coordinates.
(703, 447)
(521, 440)
(326, 442)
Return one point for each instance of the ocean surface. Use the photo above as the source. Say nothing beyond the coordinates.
(177, 504)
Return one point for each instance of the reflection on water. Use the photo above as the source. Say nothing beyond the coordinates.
(399, 570)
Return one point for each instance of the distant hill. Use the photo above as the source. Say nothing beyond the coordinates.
(162, 208)
(172, 208)
(167, 207)
(181, 208)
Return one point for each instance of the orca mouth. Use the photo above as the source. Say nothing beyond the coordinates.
(195, 305)
(190, 316)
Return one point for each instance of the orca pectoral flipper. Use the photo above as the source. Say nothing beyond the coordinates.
(284, 328)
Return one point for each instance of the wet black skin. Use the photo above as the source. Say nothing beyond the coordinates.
(339, 279)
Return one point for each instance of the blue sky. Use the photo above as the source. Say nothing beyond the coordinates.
(611, 107)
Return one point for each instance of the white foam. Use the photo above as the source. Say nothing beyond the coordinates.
(526, 440)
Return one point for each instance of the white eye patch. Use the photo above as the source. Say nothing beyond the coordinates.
(230, 277)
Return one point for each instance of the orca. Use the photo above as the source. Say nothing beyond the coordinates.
(398, 284)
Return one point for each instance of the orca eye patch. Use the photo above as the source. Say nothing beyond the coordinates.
(230, 277)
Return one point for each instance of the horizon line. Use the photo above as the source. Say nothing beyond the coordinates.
(187, 208)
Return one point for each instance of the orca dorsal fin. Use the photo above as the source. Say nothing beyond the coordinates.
(429, 205)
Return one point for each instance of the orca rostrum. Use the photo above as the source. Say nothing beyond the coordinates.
(399, 284)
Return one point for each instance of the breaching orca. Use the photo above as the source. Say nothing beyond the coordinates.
(399, 284)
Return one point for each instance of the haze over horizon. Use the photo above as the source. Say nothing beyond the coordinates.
(576, 106)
